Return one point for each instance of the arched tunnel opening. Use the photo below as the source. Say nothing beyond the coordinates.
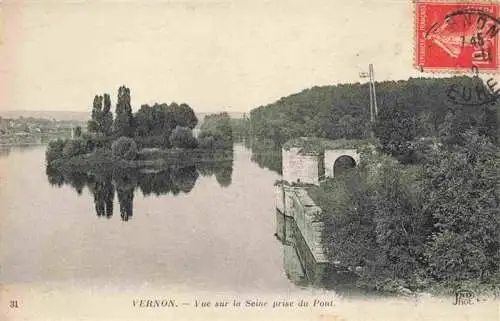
(343, 164)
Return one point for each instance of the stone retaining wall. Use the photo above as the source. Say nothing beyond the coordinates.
(296, 203)
(303, 168)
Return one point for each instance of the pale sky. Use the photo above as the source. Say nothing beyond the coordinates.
(213, 54)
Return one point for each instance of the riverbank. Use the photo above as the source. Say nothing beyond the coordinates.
(146, 158)
(317, 218)
(24, 139)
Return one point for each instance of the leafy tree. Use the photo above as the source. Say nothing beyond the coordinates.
(123, 124)
(206, 141)
(156, 123)
(461, 194)
(216, 131)
(350, 127)
(374, 222)
(182, 137)
(185, 116)
(400, 227)
(94, 124)
(179, 115)
(482, 119)
(124, 148)
(78, 131)
(54, 150)
(107, 116)
(101, 117)
(144, 121)
(396, 128)
(349, 222)
(73, 147)
(240, 128)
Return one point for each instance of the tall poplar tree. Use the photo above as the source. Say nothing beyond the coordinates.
(101, 118)
(107, 116)
(123, 124)
(95, 119)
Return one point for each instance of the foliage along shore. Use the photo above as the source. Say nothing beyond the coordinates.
(156, 159)
(155, 136)
(422, 209)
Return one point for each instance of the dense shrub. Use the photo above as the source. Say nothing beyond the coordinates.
(60, 148)
(87, 143)
(375, 212)
(416, 226)
(216, 132)
(152, 141)
(73, 147)
(211, 140)
(124, 148)
(206, 141)
(54, 150)
(183, 137)
(99, 140)
(460, 191)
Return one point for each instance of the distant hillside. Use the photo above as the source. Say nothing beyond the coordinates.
(79, 115)
(46, 114)
(418, 104)
(235, 114)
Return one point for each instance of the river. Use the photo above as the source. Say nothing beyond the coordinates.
(206, 228)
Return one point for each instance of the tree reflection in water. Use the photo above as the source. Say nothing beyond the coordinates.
(300, 265)
(104, 193)
(222, 171)
(4, 151)
(266, 153)
(125, 183)
(55, 177)
(102, 184)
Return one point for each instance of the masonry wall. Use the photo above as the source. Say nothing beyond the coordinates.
(300, 206)
(279, 198)
(298, 261)
(332, 155)
(301, 168)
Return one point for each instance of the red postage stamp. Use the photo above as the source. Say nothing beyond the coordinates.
(457, 36)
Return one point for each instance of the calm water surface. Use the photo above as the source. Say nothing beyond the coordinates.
(207, 228)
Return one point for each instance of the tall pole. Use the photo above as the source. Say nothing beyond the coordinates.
(373, 95)
(373, 91)
(372, 118)
(372, 100)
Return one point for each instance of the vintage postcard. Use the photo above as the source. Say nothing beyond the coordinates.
(249, 160)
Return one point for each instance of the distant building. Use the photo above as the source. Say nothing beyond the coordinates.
(4, 125)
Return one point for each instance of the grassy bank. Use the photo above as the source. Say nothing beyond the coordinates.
(146, 158)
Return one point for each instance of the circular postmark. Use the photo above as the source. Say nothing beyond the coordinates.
(476, 93)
